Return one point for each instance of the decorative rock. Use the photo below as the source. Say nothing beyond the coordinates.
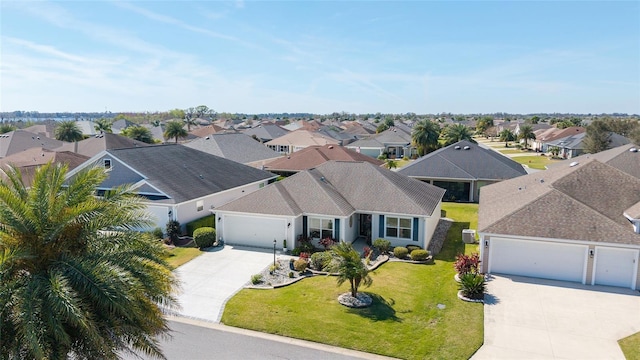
(361, 300)
(464, 298)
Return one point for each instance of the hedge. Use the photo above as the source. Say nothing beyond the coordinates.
(207, 221)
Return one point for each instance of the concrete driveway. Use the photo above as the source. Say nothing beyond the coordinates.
(209, 280)
(527, 318)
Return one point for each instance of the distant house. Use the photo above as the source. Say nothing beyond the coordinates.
(573, 145)
(100, 142)
(314, 156)
(237, 147)
(542, 139)
(298, 140)
(177, 182)
(207, 130)
(266, 131)
(575, 222)
(20, 140)
(462, 169)
(46, 129)
(395, 142)
(28, 160)
(624, 158)
(119, 125)
(339, 199)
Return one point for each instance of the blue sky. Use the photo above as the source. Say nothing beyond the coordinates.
(321, 56)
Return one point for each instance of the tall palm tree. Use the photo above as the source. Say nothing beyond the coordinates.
(67, 287)
(175, 129)
(526, 134)
(507, 135)
(425, 136)
(349, 266)
(68, 130)
(103, 125)
(457, 132)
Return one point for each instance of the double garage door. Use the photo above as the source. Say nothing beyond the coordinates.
(253, 231)
(566, 262)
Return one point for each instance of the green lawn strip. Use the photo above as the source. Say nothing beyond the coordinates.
(404, 320)
(631, 346)
(179, 255)
(513, 151)
(534, 162)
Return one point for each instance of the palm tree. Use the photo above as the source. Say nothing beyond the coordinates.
(68, 130)
(139, 133)
(526, 134)
(349, 266)
(103, 125)
(175, 129)
(457, 132)
(425, 136)
(67, 287)
(507, 135)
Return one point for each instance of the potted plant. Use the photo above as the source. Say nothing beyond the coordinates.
(284, 245)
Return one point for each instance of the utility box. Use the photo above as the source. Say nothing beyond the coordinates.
(468, 236)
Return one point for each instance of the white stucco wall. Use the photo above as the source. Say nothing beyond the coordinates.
(430, 225)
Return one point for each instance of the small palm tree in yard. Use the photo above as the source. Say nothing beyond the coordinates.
(69, 289)
(69, 131)
(349, 267)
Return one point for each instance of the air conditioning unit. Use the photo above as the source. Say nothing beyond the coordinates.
(468, 236)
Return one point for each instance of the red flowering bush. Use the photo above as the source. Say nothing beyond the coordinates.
(467, 264)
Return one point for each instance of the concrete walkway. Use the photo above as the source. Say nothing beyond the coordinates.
(209, 280)
(527, 318)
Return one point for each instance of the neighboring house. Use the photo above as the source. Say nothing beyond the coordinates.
(47, 129)
(573, 145)
(27, 161)
(394, 142)
(177, 182)
(266, 131)
(87, 127)
(314, 156)
(462, 169)
(119, 125)
(624, 158)
(338, 199)
(579, 222)
(541, 142)
(298, 140)
(534, 127)
(21, 140)
(237, 147)
(100, 142)
(207, 130)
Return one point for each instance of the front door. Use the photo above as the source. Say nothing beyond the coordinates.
(365, 226)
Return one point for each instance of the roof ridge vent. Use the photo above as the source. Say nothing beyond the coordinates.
(575, 163)
(633, 149)
(457, 147)
(467, 147)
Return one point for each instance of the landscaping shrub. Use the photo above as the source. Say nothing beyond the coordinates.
(204, 237)
(173, 230)
(274, 267)
(291, 274)
(305, 245)
(300, 265)
(207, 221)
(327, 242)
(413, 247)
(366, 252)
(256, 279)
(472, 285)
(383, 245)
(466, 264)
(157, 233)
(296, 251)
(419, 255)
(320, 260)
(400, 252)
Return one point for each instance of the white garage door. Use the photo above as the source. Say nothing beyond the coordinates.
(253, 231)
(615, 267)
(538, 259)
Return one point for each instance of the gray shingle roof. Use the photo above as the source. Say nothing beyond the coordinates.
(339, 188)
(476, 163)
(620, 158)
(20, 140)
(184, 173)
(237, 147)
(266, 131)
(95, 144)
(392, 135)
(583, 202)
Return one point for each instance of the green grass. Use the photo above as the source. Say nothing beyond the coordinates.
(534, 162)
(181, 255)
(512, 151)
(631, 346)
(404, 320)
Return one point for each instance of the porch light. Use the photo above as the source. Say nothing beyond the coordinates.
(591, 253)
(486, 243)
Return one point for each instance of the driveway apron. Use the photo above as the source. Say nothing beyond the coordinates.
(526, 318)
(209, 280)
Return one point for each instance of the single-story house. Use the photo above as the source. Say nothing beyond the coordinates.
(237, 147)
(578, 222)
(543, 138)
(343, 200)
(298, 140)
(395, 142)
(462, 169)
(623, 158)
(29, 160)
(573, 145)
(177, 182)
(100, 142)
(20, 140)
(314, 156)
(266, 131)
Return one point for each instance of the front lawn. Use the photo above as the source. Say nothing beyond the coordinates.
(180, 255)
(534, 162)
(631, 346)
(404, 320)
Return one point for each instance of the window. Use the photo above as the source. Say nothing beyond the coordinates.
(398, 227)
(106, 163)
(320, 228)
(199, 205)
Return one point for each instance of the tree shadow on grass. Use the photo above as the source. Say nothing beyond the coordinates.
(381, 309)
(453, 244)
